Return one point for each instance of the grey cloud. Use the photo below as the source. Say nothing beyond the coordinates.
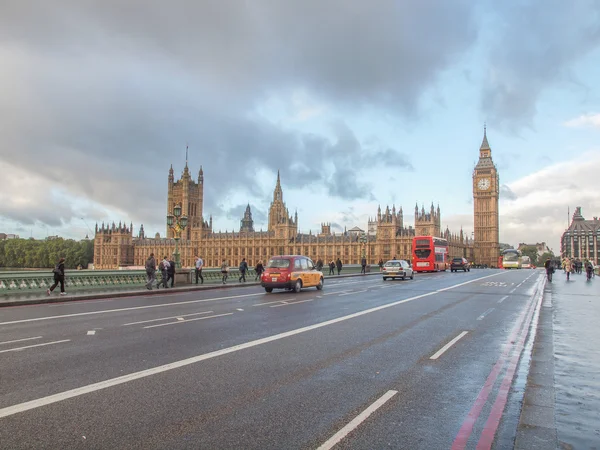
(237, 213)
(102, 98)
(535, 45)
(506, 193)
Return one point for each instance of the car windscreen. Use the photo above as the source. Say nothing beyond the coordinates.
(392, 264)
(278, 264)
(457, 260)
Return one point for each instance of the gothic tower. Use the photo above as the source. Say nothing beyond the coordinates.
(486, 192)
(277, 211)
(190, 194)
(247, 224)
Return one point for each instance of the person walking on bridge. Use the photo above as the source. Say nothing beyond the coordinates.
(549, 269)
(243, 269)
(199, 265)
(59, 277)
(568, 267)
(150, 271)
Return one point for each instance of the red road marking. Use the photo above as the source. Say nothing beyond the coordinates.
(491, 426)
(466, 429)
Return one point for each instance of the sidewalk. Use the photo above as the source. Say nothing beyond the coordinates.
(39, 297)
(561, 406)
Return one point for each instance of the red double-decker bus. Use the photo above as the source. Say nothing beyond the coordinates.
(430, 254)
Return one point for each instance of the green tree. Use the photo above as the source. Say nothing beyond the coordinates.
(33, 254)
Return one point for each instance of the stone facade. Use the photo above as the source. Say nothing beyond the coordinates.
(582, 239)
(387, 235)
(486, 193)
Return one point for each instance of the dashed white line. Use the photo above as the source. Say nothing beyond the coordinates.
(278, 301)
(442, 350)
(18, 349)
(337, 437)
(290, 304)
(187, 320)
(481, 317)
(132, 308)
(352, 293)
(502, 299)
(20, 340)
(166, 318)
(238, 309)
(94, 387)
(91, 332)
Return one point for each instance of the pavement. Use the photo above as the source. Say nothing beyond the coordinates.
(435, 362)
(561, 409)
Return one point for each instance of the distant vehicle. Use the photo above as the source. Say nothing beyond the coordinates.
(292, 272)
(525, 262)
(397, 268)
(460, 264)
(511, 259)
(430, 254)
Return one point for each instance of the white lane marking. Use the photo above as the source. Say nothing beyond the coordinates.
(106, 311)
(352, 293)
(290, 304)
(333, 293)
(186, 320)
(91, 332)
(481, 317)
(18, 349)
(238, 309)
(166, 318)
(180, 318)
(337, 437)
(20, 340)
(502, 299)
(442, 350)
(278, 301)
(54, 398)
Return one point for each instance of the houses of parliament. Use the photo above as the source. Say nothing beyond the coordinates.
(387, 234)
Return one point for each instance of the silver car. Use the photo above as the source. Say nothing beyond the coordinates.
(397, 268)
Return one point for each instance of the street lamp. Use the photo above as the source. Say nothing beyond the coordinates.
(363, 241)
(177, 223)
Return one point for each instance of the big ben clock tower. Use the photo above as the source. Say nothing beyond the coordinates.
(486, 190)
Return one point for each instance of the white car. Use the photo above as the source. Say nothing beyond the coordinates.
(397, 268)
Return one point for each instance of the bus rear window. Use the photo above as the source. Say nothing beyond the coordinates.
(422, 253)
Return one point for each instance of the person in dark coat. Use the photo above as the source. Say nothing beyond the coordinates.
(150, 271)
(332, 268)
(338, 264)
(363, 265)
(171, 272)
(243, 269)
(259, 270)
(59, 277)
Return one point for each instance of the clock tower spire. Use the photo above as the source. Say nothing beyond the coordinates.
(486, 190)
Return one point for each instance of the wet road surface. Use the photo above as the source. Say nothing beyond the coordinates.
(363, 364)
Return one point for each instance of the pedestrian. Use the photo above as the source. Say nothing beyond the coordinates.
(163, 266)
(363, 265)
(319, 264)
(59, 277)
(568, 268)
(332, 268)
(243, 269)
(549, 269)
(338, 264)
(199, 265)
(225, 271)
(171, 272)
(259, 269)
(380, 265)
(150, 271)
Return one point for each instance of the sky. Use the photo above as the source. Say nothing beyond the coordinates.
(358, 104)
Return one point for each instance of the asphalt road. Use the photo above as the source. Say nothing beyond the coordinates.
(363, 364)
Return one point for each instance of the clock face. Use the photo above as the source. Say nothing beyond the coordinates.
(483, 184)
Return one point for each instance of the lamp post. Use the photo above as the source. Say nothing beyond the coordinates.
(177, 223)
(363, 241)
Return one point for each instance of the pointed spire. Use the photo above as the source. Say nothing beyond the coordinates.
(186, 155)
(484, 143)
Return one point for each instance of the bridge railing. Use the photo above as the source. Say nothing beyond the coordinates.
(40, 280)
